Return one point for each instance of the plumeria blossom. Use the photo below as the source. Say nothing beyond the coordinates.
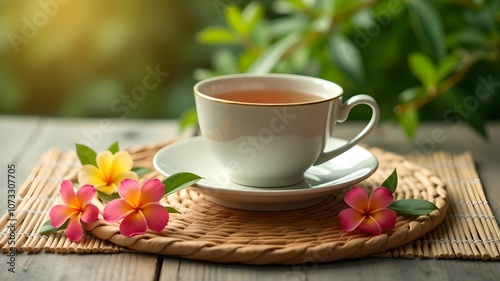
(138, 206)
(76, 208)
(368, 214)
(110, 171)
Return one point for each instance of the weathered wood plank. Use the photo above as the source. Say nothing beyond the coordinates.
(361, 269)
(403, 269)
(174, 269)
(119, 267)
(15, 134)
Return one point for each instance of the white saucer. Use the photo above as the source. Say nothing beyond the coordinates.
(193, 155)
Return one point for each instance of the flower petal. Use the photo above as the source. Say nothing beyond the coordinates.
(59, 214)
(125, 175)
(369, 225)
(130, 190)
(74, 231)
(357, 198)
(68, 194)
(386, 218)
(380, 198)
(151, 191)
(122, 162)
(156, 216)
(90, 174)
(105, 161)
(85, 194)
(107, 188)
(116, 209)
(133, 224)
(89, 213)
(350, 219)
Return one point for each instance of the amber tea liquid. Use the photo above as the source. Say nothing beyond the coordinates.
(269, 96)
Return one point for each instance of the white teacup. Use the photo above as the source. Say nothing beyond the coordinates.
(266, 130)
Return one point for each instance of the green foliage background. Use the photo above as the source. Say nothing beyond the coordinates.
(420, 59)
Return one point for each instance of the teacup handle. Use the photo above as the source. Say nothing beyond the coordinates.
(342, 116)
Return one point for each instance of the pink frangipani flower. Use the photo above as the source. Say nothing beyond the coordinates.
(138, 206)
(76, 208)
(368, 214)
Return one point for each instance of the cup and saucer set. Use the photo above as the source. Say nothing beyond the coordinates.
(267, 142)
(343, 171)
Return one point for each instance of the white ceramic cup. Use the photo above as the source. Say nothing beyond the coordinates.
(273, 144)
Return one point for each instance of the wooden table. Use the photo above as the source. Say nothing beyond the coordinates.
(24, 139)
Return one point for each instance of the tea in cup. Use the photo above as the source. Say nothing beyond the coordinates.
(266, 130)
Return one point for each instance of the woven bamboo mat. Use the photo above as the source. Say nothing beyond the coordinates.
(463, 227)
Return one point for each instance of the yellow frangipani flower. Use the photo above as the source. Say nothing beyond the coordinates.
(110, 171)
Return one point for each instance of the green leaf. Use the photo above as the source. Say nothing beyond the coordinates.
(188, 118)
(411, 94)
(282, 26)
(216, 35)
(179, 181)
(140, 171)
(288, 6)
(423, 68)
(47, 227)
(172, 210)
(245, 60)
(252, 14)
(86, 155)
(413, 206)
(408, 119)
(483, 19)
(225, 62)
(107, 197)
(471, 37)
(235, 20)
(391, 182)
(347, 57)
(324, 7)
(114, 148)
(321, 24)
(343, 6)
(427, 27)
(270, 58)
(260, 36)
(447, 66)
